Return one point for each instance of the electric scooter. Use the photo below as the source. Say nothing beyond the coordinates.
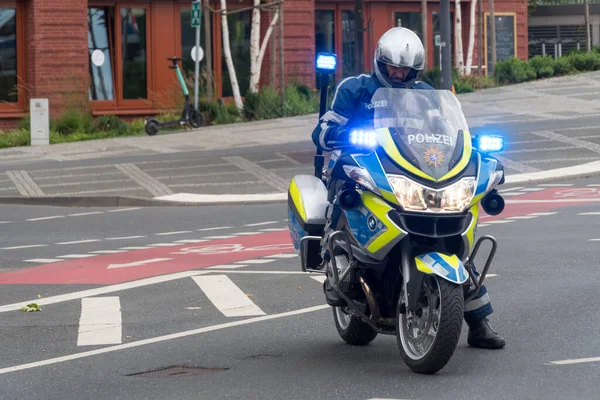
(189, 116)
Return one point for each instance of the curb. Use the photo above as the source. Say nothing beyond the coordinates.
(190, 199)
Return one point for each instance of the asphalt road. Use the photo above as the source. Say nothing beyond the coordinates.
(270, 333)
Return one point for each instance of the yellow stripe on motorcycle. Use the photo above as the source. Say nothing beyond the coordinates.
(380, 209)
(297, 199)
(466, 156)
(445, 266)
(470, 232)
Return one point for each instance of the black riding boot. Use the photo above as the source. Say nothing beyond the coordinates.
(483, 336)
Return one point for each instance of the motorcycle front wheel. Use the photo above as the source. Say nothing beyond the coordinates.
(427, 338)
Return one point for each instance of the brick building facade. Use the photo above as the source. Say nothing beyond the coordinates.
(112, 55)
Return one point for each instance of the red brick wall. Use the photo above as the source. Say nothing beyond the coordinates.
(57, 51)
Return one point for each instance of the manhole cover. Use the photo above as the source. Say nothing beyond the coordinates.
(177, 371)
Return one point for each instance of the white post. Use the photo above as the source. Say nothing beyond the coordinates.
(40, 122)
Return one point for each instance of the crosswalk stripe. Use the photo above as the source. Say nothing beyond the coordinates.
(43, 260)
(257, 261)
(227, 266)
(226, 296)
(100, 321)
(287, 255)
(319, 278)
(77, 256)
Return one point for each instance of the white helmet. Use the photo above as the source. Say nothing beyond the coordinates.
(399, 47)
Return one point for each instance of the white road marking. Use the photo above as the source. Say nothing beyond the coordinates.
(108, 251)
(593, 240)
(246, 233)
(164, 244)
(541, 214)
(6, 222)
(589, 213)
(80, 241)
(499, 221)
(192, 241)
(482, 225)
(287, 255)
(86, 213)
(257, 261)
(172, 233)
(593, 185)
(262, 223)
(43, 260)
(214, 229)
(44, 218)
(523, 217)
(159, 339)
(576, 361)
(227, 266)
(319, 278)
(137, 263)
(556, 184)
(101, 290)
(589, 200)
(125, 237)
(219, 237)
(274, 229)
(134, 248)
(78, 255)
(533, 189)
(125, 209)
(511, 189)
(27, 246)
(226, 296)
(100, 321)
(512, 194)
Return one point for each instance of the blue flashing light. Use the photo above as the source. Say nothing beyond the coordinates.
(363, 138)
(326, 62)
(489, 144)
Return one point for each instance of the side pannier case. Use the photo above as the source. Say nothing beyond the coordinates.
(307, 207)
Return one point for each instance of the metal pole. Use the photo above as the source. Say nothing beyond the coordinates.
(208, 51)
(197, 72)
(446, 82)
(588, 45)
(319, 158)
(480, 38)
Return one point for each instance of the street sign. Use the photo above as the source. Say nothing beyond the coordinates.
(438, 39)
(200, 53)
(196, 13)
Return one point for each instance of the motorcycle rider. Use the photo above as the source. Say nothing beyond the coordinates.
(399, 58)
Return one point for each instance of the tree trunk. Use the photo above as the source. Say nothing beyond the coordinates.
(424, 30)
(257, 53)
(472, 22)
(458, 37)
(227, 53)
(588, 45)
(492, 64)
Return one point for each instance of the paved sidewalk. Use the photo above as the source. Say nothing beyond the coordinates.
(547, 124)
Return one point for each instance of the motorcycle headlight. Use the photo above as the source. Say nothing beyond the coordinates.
(413, 196)
(361, 176)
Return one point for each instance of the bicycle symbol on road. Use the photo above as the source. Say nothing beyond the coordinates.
(233, 248)
(583, 193)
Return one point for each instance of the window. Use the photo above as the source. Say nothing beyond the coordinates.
(239, 42)
(8, 55)
(117, 45)
(349, 56)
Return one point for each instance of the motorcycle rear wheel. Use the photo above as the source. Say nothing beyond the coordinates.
(429, 343)
(351, 329)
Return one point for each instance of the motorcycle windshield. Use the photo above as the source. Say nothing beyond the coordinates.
(426, 127)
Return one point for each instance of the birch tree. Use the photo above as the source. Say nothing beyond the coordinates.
(473, 20)
(257, 50)
(228, 60)
(458, 37)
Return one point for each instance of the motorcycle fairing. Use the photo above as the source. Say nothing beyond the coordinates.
(445, 266)
(486, 167)
(372, 163)
(384, 137)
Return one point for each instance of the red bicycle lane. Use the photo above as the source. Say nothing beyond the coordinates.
(139, 264)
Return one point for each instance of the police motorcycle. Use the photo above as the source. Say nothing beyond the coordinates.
(400, 251)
